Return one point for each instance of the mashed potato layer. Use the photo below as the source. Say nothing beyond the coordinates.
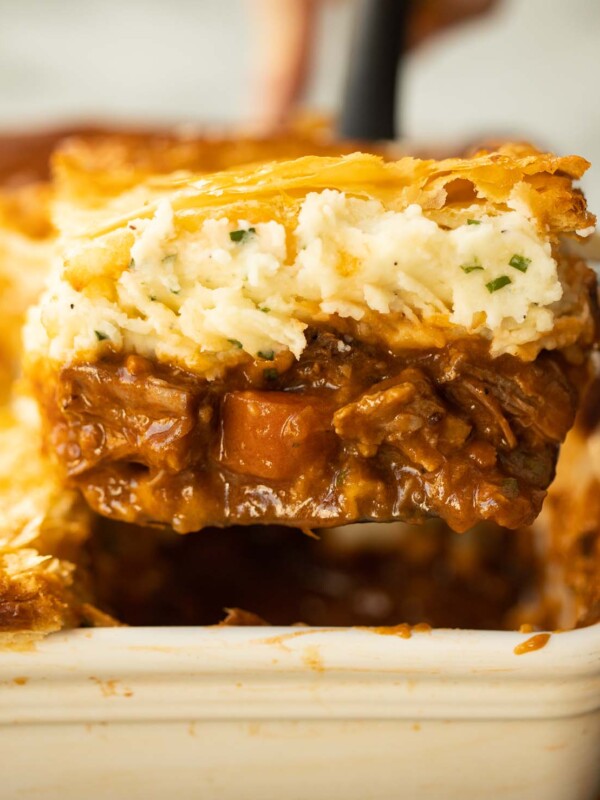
(233, 285)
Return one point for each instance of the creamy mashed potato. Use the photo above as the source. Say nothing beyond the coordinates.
(236, 286)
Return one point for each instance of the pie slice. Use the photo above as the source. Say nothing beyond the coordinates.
(318, 341)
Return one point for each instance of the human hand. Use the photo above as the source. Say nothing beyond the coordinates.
(285, 33)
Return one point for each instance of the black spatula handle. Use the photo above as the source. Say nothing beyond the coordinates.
(369, 107)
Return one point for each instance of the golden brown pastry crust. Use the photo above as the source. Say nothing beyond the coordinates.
(515, 173)
(26, 236)
(42, 530)
(568, 530)
(92, 168)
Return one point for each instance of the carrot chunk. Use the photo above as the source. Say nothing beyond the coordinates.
(273, 435)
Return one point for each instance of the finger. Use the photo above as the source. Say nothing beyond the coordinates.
(282, 57)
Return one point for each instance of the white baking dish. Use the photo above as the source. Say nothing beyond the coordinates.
(298, 713)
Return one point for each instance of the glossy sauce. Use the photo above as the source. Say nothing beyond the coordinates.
(404, 631)
(533, 643)
(347, 433)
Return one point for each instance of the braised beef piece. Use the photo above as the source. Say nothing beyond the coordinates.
(348, 432)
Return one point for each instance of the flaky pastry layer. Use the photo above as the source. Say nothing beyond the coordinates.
(42, 530)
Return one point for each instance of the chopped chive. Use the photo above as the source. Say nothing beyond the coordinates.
(471, 267)
(101, 336)
(270, 374)
(175, 291)
(264, 309)
(268, 355)
(235, 343)
(241, 235)
(170, 258)
(473, 222)
(498, 283)
(520, 262)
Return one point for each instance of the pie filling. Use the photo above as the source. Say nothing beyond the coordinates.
(348, 432)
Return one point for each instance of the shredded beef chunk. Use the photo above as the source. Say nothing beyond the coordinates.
(348, 432)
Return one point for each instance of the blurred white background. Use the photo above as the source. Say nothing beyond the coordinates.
(530, 69)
